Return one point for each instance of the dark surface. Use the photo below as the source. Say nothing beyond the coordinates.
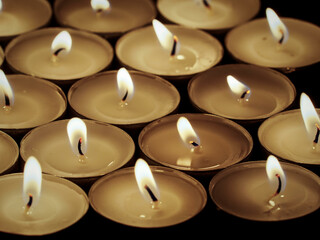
(211, 222)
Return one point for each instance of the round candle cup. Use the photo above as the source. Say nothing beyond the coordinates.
(253, 43)
(61, 204)
(223, 143)
(271, 92)
(20, 16)
(216, 17)
(108, 148)
(123, 15)
(36, 102)
(9, 152)
(243, 190)
(96, 97)
(30, 54)
(141, 50)
(116, 196)
(285, 136)
(1, 56)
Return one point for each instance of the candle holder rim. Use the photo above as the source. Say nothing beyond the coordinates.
(158, 169)
(15, 41)
(2, 56)
(134, 125)
(14, 144)
(261, 164)
(72, 187)
(106, 34)
(242, 65)
(231, 123)
(265, 124)
(172, 77)
(71, 176)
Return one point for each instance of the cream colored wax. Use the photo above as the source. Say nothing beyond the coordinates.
(285, 136)
(108, 149)
(9, 152)
(31, 54)
(116, 196)
(243, 190)
(61, 204)
(96, 97)
(223, 143)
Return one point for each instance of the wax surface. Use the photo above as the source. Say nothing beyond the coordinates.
(31, 54)
(223, 14)
(36, 102)
(20, 16)
(117, 197)
(285, 136)
(271, 92)
(141, 50)
(61, 204)
(97, 98)
(253, 43)
(243, 190)
(223, 143)
(9, 152)
(108, 149)
(123, 16)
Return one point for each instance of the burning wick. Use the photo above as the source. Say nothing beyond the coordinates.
(206, 4)
(245, 95)
(7, 105)
(28, 206)
(316, 138)
(155, 201)
(270, 201)
(61, 45)
(82, 157)
(100, 6)
(194, 144)
(174, 47)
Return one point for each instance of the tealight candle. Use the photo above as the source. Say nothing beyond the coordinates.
(209, 15)
(28, 102)
(1, 56)
(140, 98)
(9, 152)
(93, 150)
(47, 54)
(245, 190)
(290, 44)
(170, 198)
(182, 51)
(288, 136)
(109, 19)
(197, 142)
(48, 204)
(222, 91)
(20, 16)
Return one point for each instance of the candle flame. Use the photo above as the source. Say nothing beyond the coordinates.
(310, 118)
(239, 89)
(100, 6)
(32, 179)
(7, 98)
(278, 29)
(276, 176)
(61, 44)
(187, 133)
(167, 40)
(146, 183)
(125, 85)
(77, 133)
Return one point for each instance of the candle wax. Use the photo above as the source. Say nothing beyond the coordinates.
(9, 152)
(36, 102)
(117, 197)
(271, 92)
(253, 43)
(61, 204)
(244, 191)
(31, 54)
(108, 149)
(223, 14)
(97, 98)
(223, 143)
(141, 50)
(285, 135)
